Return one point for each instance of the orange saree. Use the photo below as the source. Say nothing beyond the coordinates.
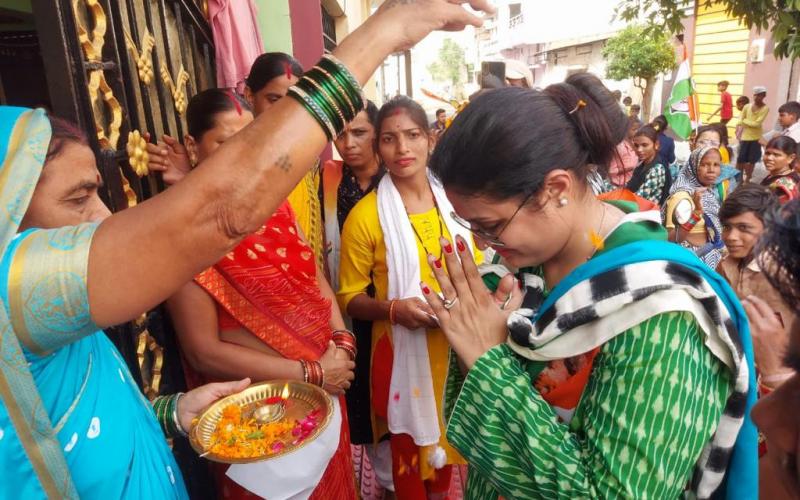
(268, 286)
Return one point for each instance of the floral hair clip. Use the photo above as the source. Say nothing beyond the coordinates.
(580, 104)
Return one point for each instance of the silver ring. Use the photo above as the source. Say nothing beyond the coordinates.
(450, 303)
(507, 301)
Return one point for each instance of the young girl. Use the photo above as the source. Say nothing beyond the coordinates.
(780, 157)
(651, 179)
(386, 241)
(701, 183)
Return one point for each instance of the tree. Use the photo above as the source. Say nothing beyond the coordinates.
(631, 54)
(451, 65)
(782, 17)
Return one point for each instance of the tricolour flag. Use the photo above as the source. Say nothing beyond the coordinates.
(681, 107)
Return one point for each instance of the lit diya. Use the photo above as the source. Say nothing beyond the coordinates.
(262, 422)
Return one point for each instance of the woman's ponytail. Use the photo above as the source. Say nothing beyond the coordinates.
(597, 117)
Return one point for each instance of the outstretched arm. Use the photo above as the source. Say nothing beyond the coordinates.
(166, 240)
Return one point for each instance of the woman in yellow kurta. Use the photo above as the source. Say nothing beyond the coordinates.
(407, 396)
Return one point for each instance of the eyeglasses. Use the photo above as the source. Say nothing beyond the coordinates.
(492, 239)
(708, 142)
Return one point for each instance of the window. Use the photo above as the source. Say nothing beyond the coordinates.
(328, 31)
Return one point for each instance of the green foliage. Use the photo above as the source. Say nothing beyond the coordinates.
(451, 66)
(782, 17)
(632, 54)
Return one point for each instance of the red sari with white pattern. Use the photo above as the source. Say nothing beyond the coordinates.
(267, 285)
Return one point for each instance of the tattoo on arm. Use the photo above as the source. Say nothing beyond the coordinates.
(284, 163)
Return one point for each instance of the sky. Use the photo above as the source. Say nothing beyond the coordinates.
(565, 19)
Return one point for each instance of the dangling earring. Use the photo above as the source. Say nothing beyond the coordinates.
(563, 202)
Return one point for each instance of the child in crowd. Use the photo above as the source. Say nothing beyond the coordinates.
(741, 102)
(788, 116)
(743, 215)
(725, 109)
(752, 121)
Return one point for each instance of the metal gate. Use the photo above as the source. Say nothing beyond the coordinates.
(120, 68)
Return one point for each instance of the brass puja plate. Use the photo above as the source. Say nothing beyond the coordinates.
(301, 399)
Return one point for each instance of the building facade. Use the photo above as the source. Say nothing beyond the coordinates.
(721, 48)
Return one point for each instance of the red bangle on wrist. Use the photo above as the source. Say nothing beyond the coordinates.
(346, 340)
(693, 220)
(391, 312)
(313, 372)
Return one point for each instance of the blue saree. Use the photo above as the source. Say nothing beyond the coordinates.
(73, 423)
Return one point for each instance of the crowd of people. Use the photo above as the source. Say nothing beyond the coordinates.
(551, 307)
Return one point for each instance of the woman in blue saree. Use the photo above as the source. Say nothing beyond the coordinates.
(72, 423)
(112, 444)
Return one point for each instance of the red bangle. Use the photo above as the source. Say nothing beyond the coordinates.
(313, 372)
(391, 312)
(346, 340)
(693, 220)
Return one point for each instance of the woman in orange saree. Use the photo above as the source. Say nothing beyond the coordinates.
(264, 309)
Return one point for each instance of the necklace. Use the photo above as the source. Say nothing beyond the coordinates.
(597, 238)
(419, 238)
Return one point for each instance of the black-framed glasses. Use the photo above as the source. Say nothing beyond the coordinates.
(492, 239)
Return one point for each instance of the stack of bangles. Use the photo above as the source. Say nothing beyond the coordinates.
(166, 408)
(313, 372)
(693, 220)
(346, 341)
(331, 94)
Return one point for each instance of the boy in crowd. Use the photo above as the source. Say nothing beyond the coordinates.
(725, 109)
(742, 215)
(751, 122)
(788, 116)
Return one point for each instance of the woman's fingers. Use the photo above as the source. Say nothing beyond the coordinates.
(226, 388)
(473, 276)
(762, 307)
(445, 285)
(434, 301)
(508, 294)
(455, 272)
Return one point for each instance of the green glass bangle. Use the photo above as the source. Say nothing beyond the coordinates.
(345, 77)
(327, 96)
(328, 80)
(336, 118)
(321, 104)
(334, 89)
(300, 95)
(334, 98)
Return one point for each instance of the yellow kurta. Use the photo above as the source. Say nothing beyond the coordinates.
(363, 262)
(305, 204)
